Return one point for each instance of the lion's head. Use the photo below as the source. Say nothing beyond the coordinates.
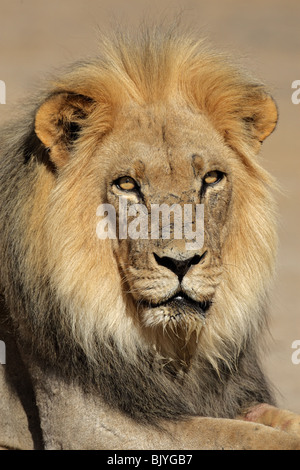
(162, 122)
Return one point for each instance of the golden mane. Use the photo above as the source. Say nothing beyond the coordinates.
(150, 71)
(157, 66)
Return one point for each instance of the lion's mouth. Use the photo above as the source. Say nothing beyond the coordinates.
(180, 304)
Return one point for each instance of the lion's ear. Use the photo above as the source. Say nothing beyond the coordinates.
(259, 115)
(58, 122)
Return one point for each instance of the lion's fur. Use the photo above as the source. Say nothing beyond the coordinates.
(63, 286)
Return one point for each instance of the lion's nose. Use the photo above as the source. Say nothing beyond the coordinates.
(177, 266)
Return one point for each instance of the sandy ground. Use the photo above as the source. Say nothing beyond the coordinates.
(39, 35)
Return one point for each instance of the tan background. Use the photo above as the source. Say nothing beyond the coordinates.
(39, 35)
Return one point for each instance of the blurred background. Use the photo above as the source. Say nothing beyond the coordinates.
(38, 36)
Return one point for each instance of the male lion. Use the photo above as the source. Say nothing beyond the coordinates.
(139, 342)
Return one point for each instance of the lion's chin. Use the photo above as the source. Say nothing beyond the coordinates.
(174, 326)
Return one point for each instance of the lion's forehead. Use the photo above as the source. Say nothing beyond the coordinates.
(172, 124)
(166, 144)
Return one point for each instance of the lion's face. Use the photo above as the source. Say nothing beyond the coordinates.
(169, 156)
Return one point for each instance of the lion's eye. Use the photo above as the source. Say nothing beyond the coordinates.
(213, 177)
(126, 183)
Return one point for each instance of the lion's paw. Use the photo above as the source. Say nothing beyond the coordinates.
(274, 417)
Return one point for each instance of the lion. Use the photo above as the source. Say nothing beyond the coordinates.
(131, 342)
